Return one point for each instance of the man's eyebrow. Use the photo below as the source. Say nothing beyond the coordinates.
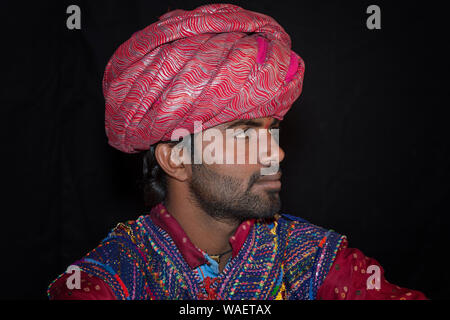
(252, 123)
(244, 122)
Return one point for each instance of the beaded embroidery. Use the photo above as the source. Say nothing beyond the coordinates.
(288, 260)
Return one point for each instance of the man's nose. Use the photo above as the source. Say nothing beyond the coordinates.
(281, 152)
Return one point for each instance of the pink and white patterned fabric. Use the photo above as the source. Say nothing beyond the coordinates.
(214, 64)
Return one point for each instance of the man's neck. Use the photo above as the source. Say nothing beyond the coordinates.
(209, 234)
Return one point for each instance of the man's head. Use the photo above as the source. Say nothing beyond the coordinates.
(218, 65)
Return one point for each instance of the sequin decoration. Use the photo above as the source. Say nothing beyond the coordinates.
(286, 258)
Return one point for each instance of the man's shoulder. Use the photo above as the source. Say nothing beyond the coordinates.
(123, 245)
(105, 266)
(127, 231)
(291, 218)
(300, 230)
(295, 222)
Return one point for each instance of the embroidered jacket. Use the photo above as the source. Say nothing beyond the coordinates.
(282, 258)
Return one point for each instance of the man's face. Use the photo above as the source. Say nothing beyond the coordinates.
(239, 189)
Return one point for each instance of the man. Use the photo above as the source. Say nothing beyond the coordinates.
(214, 78)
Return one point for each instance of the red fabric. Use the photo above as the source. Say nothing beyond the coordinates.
(92, 288)
(214, 64)
(193, 255)
(347, 280)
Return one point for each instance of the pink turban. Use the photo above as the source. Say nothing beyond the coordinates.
(214, 64)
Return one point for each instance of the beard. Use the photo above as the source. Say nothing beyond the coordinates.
(222, 198)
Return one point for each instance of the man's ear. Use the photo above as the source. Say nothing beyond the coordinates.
(171, 162)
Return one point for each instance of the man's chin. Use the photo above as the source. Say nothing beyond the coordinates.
(271, 197)
(273, 206)
(266, 215)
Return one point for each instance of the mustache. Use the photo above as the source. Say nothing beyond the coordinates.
(256, 176)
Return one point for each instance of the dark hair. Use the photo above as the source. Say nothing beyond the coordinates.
(154, 179)
(154, 184)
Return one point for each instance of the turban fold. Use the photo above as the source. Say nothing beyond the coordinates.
(214, 64)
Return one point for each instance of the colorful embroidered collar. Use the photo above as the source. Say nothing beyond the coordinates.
(194, 256)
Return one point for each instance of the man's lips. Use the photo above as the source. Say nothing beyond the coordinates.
(270, 181)
(271, 177)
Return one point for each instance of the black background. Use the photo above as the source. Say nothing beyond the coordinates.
(367, 151)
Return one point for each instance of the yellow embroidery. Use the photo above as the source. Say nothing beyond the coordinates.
(123, 227)
(281, 293)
